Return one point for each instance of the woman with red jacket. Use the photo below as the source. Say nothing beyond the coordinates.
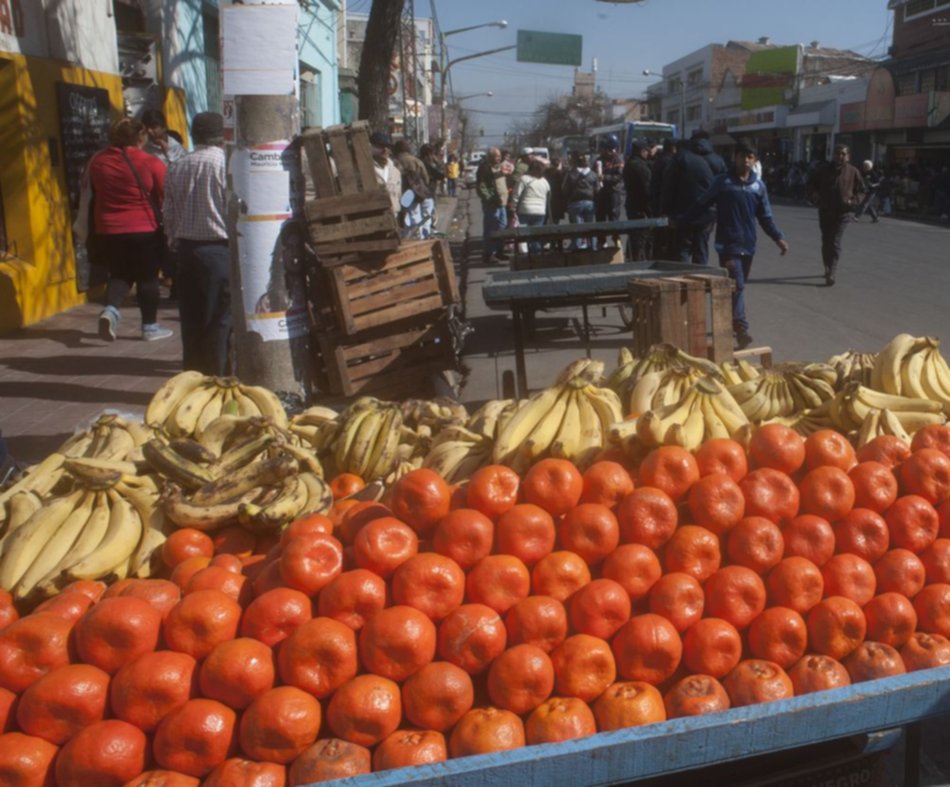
(128, 188)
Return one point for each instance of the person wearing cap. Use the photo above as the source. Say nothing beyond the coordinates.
(387, 173)
(196, 226)
(129, 186)
(872, 179)
(836, 188)
(741, 200)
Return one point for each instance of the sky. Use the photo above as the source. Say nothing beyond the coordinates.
(625, 39)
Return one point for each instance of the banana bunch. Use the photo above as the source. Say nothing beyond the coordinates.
(913, 366)
(854, 403)
(316, 426)
(188, 402)
(809, 421)
(784, 391)
(489, 419)
(660, 357)
(39, 481)
(660, 388)
(738, 371)
(435, 414)
(457, 452)
(852, 365)
(367, 438)
(880, 422)
(107, 526)
(569, 420)
(109, 437)
(706, 410)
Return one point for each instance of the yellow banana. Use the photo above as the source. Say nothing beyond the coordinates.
(263, 473)
(19, 509)
(169, 395)
(164, 460)
(536, 444)
(891, 425)
(143, 559)
(319, 496)
(184, 418)
(89, 539)
(522, 422)
(288, 504)
(266, 402)
(27, 541)
(211, 410)
(567, 439)
(886, 376)
(119, 542)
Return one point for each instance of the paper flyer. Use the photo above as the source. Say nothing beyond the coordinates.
(259, 49)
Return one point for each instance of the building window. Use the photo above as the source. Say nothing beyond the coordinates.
(918, 8)
(674, 86)
(907, 84)
(693, 113)
(310, 109)
(927, 79)
(695, 77)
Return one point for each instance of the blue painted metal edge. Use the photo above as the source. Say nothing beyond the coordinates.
(682, 744)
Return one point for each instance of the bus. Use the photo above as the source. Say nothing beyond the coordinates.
(630, 131)
(563, 147)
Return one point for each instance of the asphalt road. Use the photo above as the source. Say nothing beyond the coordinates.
(894, 276)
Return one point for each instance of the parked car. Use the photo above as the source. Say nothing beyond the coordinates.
(471, 167)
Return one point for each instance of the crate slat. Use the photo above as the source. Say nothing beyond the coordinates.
(344, 205)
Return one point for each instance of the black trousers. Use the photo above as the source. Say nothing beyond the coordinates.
(133, 258)
(204, 303)
(832, 227)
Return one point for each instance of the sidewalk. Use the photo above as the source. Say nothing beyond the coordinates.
(58, 375)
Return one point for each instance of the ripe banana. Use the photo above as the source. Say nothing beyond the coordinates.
(167, 397)
(242, 453)
(27, 541)
(57, 547)
(886, 375)
(266, 472)
(192, 450)
(142, 559)
(169, 463)
(265, 401)
(485, 420)
(643, 393)
(319, 496)
(278, 512)
(41, 478)
(538, 442)
(20, 508)
(185, 513)
(119, 542)
(184, 418)
(522, 423)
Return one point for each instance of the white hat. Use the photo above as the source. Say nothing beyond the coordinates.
(868, 166)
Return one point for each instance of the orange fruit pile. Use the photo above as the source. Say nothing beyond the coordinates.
(507, 611)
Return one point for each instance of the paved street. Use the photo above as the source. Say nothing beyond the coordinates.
(893, 277)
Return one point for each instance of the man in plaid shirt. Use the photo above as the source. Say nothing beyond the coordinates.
(195, 224)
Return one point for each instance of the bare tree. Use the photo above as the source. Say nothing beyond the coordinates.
(382, 32)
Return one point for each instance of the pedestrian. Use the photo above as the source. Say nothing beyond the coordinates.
(417, 196)
(196, 223)
(554, 175)
(160, 142)
(580, 189)
(836, 187)
(637, 176)
(128, 186)
(664, 247)
(872, 181)
(532, 199)
(741, 199)
(492, 190)
(387, 173)
(611, 191)
(452, 170)
(431, 156)
(688, 176)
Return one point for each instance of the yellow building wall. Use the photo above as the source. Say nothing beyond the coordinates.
(38, 275)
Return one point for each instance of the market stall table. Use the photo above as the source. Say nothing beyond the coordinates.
(523, 292)
(556, 234)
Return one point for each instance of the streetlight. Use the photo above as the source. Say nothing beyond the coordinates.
(445, 65)
(473, 95)
(649, 73)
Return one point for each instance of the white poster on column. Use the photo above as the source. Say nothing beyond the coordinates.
(259, 49)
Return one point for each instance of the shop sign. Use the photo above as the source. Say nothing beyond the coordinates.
(879, 107)
(751, 119)
(852, 116)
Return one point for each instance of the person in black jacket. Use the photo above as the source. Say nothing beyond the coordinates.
(688, 176)
(637, 177)
(610, 195)
(663, 239)
(580, 188)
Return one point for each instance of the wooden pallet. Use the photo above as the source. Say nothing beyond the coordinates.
(392, 362)
(693, 312)
(352, 213)
(415, 281)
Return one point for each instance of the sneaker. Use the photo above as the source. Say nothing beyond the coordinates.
(155, 332)
(743, 340)
(830, 279)
(108, 322)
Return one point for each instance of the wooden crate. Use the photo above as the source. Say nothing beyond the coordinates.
(352, 212)
(392, 362)
(693, 312)
(415, 281)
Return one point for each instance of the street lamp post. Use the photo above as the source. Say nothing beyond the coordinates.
(445, 64)
(649, 73)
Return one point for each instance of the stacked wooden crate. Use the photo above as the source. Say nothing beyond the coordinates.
(382, 307)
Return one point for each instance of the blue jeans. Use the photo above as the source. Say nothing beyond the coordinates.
(451, 184)
(739, 266)
(204, 303)
(693, 243)
(532, 220)
(582, 212)
(494, 218)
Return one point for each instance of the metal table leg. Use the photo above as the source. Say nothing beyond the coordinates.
(912, 754)
(521, 371)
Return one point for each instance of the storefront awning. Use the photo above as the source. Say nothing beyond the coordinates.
(817, 113)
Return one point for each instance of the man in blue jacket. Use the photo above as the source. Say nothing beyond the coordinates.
(741, 199)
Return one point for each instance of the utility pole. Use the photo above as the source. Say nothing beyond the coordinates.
(268, 291)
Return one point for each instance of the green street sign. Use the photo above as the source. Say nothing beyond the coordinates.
(559, 49)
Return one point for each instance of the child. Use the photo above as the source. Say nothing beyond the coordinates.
(741, 199)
